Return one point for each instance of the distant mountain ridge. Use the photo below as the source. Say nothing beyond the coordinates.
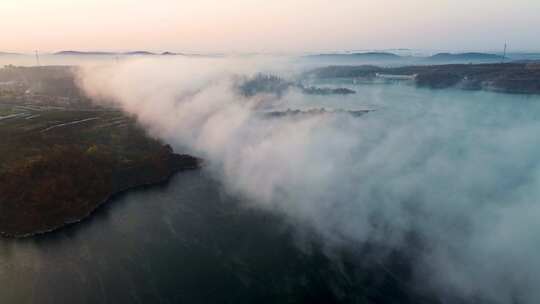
(385, 57)
(131, 53)
(391, 57)
(80, 53)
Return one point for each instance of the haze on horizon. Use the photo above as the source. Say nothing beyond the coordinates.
(268, 26)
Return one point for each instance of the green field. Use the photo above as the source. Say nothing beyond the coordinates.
(29, 132)
(58, 164)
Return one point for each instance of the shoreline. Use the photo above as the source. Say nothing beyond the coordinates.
(109, 198)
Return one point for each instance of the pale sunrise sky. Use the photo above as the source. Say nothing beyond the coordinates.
(267, 26)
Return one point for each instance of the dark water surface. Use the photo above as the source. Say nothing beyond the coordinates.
(184, 242)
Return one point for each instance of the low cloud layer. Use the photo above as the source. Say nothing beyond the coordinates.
(459, 170)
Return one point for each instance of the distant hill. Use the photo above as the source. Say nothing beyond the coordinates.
(465, 57)
(376, 55)
(132, 53)
(138, 53)
(372, 56)
(79, 53)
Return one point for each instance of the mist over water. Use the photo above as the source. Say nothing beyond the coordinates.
(455, 173)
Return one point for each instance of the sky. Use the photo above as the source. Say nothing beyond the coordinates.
(268, 26)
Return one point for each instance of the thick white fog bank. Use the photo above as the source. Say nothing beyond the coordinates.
(458, 169)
